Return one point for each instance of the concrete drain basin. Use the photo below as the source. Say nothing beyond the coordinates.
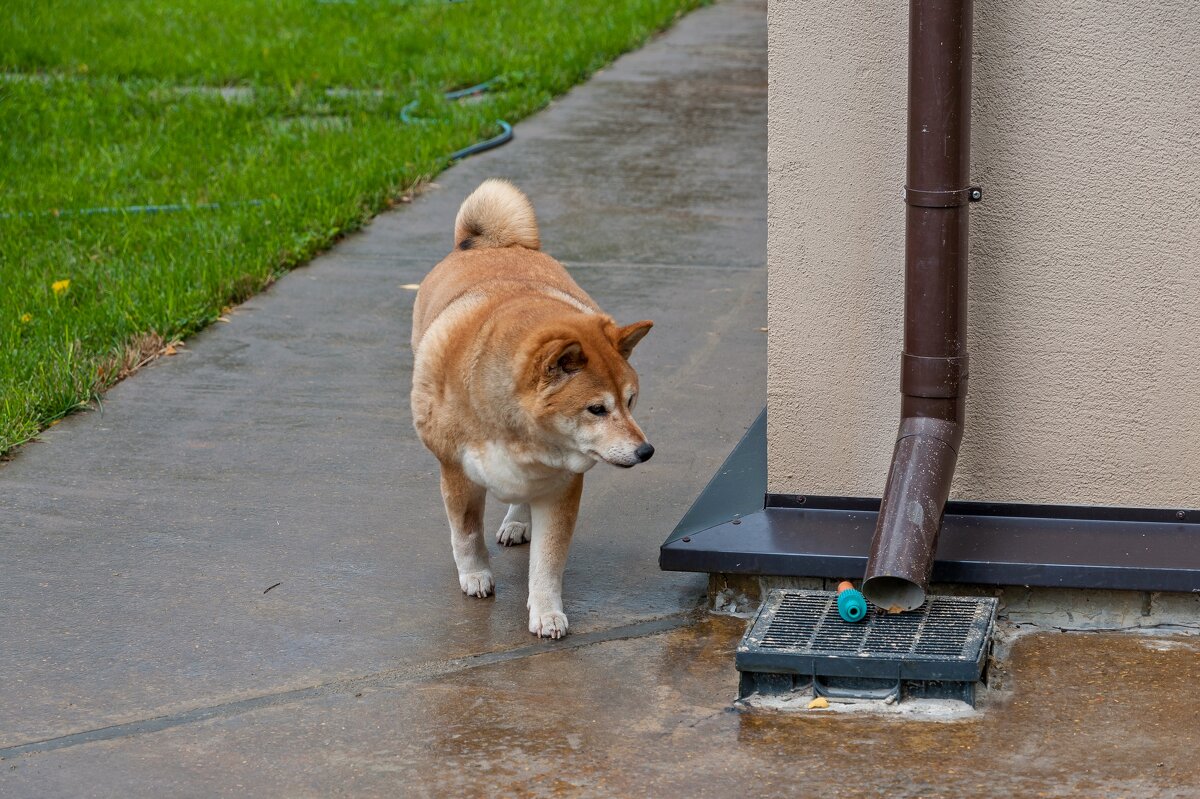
(798, 642)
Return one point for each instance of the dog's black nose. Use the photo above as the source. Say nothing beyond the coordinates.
(644, 452)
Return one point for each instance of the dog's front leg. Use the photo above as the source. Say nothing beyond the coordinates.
(464, 508)
(553, 524)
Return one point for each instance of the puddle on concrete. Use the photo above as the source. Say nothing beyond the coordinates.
(1097, 715)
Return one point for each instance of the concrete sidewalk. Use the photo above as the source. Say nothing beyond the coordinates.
(143, 655)
(136, 544)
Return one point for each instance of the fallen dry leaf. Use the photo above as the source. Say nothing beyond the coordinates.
(170, 350)
(820, 703)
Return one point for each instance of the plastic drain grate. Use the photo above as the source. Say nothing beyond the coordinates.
(800, 633)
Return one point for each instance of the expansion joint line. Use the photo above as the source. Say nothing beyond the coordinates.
(355, 685)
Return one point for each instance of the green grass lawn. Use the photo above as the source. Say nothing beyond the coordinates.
(284, 113)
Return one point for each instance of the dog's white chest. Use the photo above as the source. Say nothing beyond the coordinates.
(514, 479)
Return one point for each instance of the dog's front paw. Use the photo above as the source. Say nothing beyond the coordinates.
(512, 533)
(476, 583)
(548, 625)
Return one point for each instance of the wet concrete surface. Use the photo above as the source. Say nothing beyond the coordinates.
(1080, 715)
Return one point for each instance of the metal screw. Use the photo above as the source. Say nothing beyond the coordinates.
(801, 500)
(736, 521)
(1180, 514)
(687, 539)
(976, 194)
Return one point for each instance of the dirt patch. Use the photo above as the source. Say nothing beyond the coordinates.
(140, 351)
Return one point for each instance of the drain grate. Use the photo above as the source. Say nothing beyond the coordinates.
(800, 634)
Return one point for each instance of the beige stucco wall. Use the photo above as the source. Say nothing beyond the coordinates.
(1085, 254)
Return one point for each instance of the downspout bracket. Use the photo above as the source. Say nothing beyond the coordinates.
(943, 199)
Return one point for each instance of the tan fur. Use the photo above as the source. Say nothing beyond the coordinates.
(496, 214)
(512, 361)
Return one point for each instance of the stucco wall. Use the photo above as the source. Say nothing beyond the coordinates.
(1085, 253)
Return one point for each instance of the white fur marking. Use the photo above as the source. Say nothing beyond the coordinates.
(574, 302)
(478, 583)
(493, 466)
(437, 335)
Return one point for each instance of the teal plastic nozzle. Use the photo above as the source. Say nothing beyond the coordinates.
(851, 604)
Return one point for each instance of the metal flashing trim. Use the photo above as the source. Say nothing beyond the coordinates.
(1103, 513)
(738, 488)
(1056, 550)
(988, 543)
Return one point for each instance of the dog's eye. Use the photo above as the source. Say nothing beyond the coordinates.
(598, 410)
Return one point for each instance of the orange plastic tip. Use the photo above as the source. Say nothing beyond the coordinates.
(845, 585)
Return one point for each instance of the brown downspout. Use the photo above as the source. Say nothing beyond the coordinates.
(933, 375)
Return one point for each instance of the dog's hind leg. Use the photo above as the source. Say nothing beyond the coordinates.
(553, 525)
(515, 527)
(464, 508)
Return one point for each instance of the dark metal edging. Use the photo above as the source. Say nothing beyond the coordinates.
(857, 666)
(738, 488)
(1067, 546)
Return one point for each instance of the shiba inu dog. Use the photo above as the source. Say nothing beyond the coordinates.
(520, 385)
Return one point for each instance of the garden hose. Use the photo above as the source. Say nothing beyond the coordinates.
(135, 209)
(505, 135)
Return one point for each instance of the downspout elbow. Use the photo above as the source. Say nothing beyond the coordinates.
(910, 516)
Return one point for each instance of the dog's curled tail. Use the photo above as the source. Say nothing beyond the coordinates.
(496, 214)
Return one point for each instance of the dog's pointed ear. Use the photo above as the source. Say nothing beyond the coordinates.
(630, 335)
(561, 358)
